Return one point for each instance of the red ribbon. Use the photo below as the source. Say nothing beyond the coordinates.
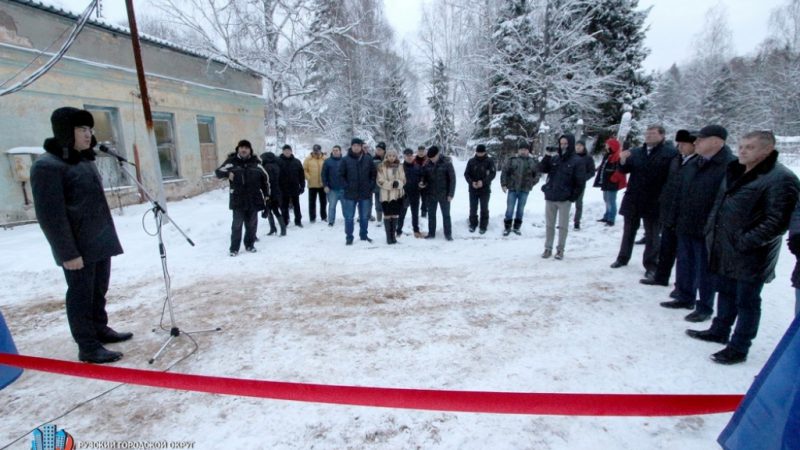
(464, 401)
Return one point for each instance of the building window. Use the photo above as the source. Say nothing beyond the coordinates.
(107, 132)
(208, 144)
(163, 125)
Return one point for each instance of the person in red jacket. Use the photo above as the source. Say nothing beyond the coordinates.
(610, 180)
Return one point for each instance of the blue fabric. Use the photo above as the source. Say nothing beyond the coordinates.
(518, 199)
(7, 373)
(349, 211)
(769, 415)
(610, 198)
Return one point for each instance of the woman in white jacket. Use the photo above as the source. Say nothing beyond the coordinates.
(391, 179)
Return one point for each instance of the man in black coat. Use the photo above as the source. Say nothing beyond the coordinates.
(566, 180)
(359, 175)
(751, 212)
(293, 183)
(700, 178)
(439, 178)
(479, 175)
(589, 168)
(668, 216)
(273, 211)
(249, 194)
(411, 200)
(73, 213)
(649, 168)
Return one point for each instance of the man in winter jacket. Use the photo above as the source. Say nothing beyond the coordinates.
(413, 173)
(273, 211)
(519, 176)
(751, 212)
(566, 178)
(702, 176)
(794, 247)
(479, 175)
(420, 160)
(589, 168)
(293, 183)
(332, 182)
(249, 186)
(359, 175)
(648, 167)
(439, 178)
(668, 216)
(312, 168)
(73, 213)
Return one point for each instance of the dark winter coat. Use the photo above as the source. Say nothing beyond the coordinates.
(794, 235)
(648, 176)
(250, 183)
(71, 206)
(330, 174)
(413, 177)
(520, 173)
(566, 174)
(751, 212)
(588, 164)
(439, 178)
(609, 177)
(480, 169)
(670, 193)
(293, 176)
(358, 174)
(695, 200)
(270, 163)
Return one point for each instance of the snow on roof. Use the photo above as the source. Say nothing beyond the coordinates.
(46, 5)
(25, 151)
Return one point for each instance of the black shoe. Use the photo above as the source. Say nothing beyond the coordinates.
(577, 226)
(232, 253)
(367, 239)
(272, 231)
(517, 231)
(652, 282)
(112, 337)
(100, 355)
(349, 241)
(602, 220)
(697, 317)
(482, 231)
(559, 255)
(729, 356)
(547, 253)
(677, 304)
(313, 220)
(506, 232)
(472, 229)
(330, 224)
(609, 224)
(707, 335)
(641, 241)
(430, 236)
(449, 238)
(617, 264)
(674, 294)
(298, 225)
(251, 249)
(650, 274)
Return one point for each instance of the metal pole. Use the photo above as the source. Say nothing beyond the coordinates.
(155, 175)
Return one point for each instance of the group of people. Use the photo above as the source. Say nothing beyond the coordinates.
(717, 218)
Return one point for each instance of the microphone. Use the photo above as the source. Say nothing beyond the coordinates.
(107, 150)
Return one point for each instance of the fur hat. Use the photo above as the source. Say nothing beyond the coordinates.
(244, 143)
(480, 148)
(381, 145)
(684, 136)
(356, 141)
(64, 120)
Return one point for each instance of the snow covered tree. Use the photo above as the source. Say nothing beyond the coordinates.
(443, 132)
(396, 112)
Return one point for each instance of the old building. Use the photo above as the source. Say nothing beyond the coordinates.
(201, 106)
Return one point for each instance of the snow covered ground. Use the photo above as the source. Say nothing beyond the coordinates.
(479, 313)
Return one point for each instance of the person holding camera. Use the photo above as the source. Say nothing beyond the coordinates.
(249, 193)
(566, 179)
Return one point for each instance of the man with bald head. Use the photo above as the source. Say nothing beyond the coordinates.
(751, 212)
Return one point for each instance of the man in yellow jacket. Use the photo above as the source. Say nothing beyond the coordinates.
(313, 169)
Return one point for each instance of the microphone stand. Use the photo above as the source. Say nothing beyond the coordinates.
(159, 214)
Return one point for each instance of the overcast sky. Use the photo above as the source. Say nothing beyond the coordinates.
(672, 23)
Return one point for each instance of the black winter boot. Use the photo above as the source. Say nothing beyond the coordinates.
(507, 229)
(283, 227)
(517, 225)
(393, 229)
(388, 229)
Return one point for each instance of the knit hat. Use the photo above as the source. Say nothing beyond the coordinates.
(286, 147)
(433, 151)
(356, 141)
(244, 143)
(408, 151)
(381, 145)
(525, 145)
(480, 148)
(316, 148)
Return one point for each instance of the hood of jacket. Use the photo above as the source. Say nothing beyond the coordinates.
(570, 145)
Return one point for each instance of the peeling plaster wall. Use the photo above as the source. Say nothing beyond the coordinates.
(88, 77)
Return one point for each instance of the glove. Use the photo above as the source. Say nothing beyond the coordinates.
(327, 190)
(395, 184)
(264, 214)
(794, 244)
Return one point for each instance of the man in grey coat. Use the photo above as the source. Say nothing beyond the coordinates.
(74, 215)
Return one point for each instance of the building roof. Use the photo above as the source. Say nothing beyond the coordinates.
(99, 23)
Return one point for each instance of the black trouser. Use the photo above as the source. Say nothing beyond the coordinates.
(312, 204)
(579, 208)
(445, 206)
(651, 233)
(423, 206)
(411, 200)
(667, 251)
(248, 218)
(86, 302)
(479, 197)
(273, 212)
(294, 200)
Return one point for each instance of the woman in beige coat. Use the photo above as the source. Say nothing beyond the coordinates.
(391, 179)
